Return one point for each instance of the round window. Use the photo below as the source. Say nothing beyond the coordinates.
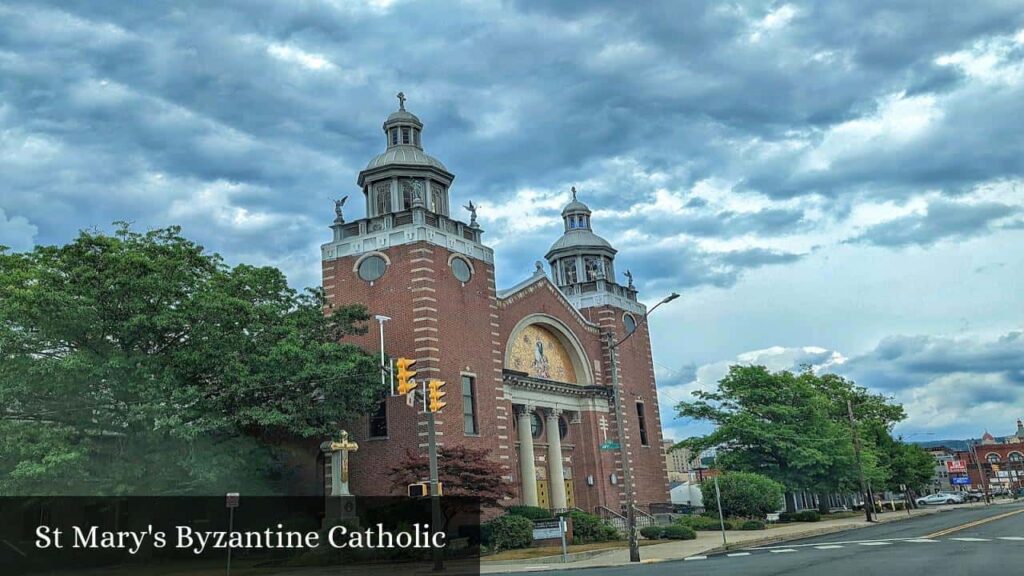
(536, 426)
(630, 323)
(372, 268)
(461, 269)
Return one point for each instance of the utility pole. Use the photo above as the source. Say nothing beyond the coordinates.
(620, 421)
(718, 499)
(627, 472)
(869, 504)
(981, 473)
(435, 493)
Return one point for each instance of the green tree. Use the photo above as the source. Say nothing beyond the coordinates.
(792, 427)
(139, 363)
(744, 494)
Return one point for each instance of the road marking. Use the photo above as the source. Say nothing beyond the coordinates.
(972, 539)
(922, 541)
(948, 531)
(738, 554)
(875, 543)
(696, 558)
(829, 547)
(1014, 538)
(782, 551)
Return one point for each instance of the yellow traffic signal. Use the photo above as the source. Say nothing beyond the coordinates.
(405, 376)
(435, 394)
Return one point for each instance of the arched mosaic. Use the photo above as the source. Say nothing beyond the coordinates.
(538, 352)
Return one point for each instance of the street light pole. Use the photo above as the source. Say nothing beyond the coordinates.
(627, 472)
(381, 320)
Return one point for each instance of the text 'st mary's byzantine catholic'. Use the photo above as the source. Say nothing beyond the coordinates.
(527, 368)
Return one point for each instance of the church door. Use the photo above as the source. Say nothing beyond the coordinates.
(542, 494)
(570, 498)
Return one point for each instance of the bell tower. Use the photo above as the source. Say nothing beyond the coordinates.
(404, 176)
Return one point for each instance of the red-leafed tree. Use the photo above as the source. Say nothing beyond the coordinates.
(462, 471)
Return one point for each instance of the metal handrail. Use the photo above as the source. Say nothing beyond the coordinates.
(607, 510)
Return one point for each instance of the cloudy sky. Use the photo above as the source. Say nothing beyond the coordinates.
(835, 183)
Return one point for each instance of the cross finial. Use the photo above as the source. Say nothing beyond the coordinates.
(573, 193)
(401, 100)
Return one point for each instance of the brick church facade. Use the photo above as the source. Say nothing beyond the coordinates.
(527, 368)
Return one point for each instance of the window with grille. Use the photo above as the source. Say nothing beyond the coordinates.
(642, 421)
(469, 405)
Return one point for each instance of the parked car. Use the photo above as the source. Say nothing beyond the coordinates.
(974, 496)
(939, 498)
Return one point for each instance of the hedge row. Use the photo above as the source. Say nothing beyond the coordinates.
(669, 532)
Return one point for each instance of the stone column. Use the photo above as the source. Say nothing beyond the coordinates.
(527, 471)
(556, 477)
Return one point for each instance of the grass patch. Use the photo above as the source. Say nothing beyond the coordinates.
(527, 553)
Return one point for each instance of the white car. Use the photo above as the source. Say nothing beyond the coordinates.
(938, 499)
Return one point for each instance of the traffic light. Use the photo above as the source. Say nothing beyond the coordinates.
(435, 394)
(405, 375)
(422, 490)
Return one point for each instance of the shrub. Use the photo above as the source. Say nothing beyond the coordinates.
(807, 516)
(752, 525)
(743, 494)
(590, 528)
(531, 512)
(702, 523)
(677, 532)
(510, 532)
(786, 516)
(652, 532)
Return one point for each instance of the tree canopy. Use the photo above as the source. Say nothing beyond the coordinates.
(794, 428)
(139, 363)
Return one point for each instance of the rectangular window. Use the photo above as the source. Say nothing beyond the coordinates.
(468, 405)
(379, 421)
(394, 135)
(569, 271)
(642, 422)
(405, 135)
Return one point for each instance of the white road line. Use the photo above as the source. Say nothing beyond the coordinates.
(923, 541)
(782, 551)
(875, 543)
(696, 558)
(972, 539)
(738, 554)
(829, 547)
(1014, 538)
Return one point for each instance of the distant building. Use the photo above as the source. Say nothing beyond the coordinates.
(942, 456)
(1001, 461)
(678, 462)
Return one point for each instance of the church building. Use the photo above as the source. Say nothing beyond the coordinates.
(527, 367)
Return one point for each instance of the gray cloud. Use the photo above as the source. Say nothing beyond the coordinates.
(944, 219)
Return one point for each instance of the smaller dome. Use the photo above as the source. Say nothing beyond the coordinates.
(988, 436)
(404, 155)
(580, 239)
(575, 207)
(402, 116)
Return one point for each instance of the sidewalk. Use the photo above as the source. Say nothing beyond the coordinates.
(708, 542)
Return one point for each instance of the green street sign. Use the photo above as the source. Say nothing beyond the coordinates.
(609, 445)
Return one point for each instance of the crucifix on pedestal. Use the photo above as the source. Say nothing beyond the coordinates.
(339, 450)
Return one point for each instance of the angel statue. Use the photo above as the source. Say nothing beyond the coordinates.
(472, 213)
(338, 204)
(629, 276)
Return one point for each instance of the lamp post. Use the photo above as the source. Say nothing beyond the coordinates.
(381, 320)
(627, 473)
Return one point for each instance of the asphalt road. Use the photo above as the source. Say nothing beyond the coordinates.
(931, 545)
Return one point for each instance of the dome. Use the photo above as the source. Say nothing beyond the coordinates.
(403, 116)
(575, 206)
(404, 155)
(580, 239)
